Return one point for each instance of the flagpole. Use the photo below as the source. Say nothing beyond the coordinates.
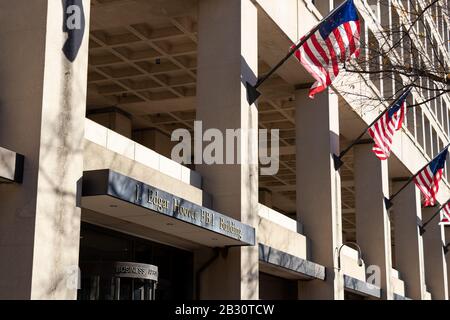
(252, 92)
(338, 159)
(422, 227)
(388, 202)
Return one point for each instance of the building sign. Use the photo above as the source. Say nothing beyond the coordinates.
(135, 270)
(161, 202)
(121, 270)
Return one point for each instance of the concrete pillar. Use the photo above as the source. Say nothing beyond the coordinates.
(408, 242)
(435, 264)
(373, 228)
(325, 6)
(42, 116)
(155, 140)
(319, 188)
(113, 119)
(265, 197)
(229, 29)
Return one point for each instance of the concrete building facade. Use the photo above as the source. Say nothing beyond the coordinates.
(92, 207)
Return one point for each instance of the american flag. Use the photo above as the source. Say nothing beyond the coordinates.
(382, 131)
(427, 180)
(445, 214)
(337, 39)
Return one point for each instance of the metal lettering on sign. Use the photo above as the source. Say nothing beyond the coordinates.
(135, 270)
(167, 204)
(120, 270)
(121, 187)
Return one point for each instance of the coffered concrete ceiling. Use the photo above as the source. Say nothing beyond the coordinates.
(143, 60)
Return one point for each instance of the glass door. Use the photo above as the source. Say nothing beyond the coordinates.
(118, 281)
(116, 288)
(134, 289)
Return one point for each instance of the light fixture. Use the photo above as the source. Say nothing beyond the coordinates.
(358, 248)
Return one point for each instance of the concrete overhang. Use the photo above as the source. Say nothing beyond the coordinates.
(274, 44)
(285, 265)
(11, 166)
(362, 288)
(122, 197)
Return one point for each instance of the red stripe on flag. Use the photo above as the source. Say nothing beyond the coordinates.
(334, 59)
(319, 49)
(340, 43)
(351, 39)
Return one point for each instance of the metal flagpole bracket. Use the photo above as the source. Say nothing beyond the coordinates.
(446, 248)
(423, 225)
(337, 162)
(388, 203)
(252, 93)
(422, 230)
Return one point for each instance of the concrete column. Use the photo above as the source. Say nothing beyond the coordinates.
(319, 188)
(227, 58)
(265, 197)
(42, 116)
(373, 228)
(113, 119)
(435, 264)
(155, 140)
(325, 6)
(408, 242)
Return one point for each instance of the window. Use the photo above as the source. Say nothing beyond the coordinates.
(419, 127)
(445, 118)
(447, 166)
(375, 60)
(428, 142)
(439, 109)
(410, 117)
(435, 142)
(448, 121)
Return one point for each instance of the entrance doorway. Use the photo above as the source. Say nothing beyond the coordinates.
(113, 264)
(275, 288)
